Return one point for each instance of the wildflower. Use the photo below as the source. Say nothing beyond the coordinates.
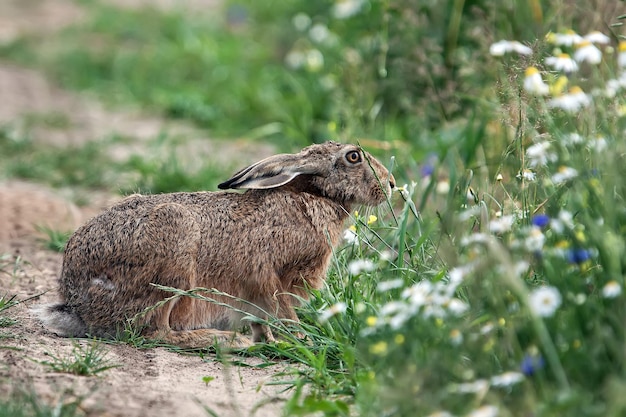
(539, 154)
(371, 219)
(572, 139)
(350, 236)
(527, 175)
(331, 311)
(502, 47)
(563, 220)
(301, 21)
(533, 83)
(544, 301)
(531, 363)
(484, 411)
(360, 265)
(314, 60)
(588, 52)
(295, 59)
(371, 321)
(389, 285)
(319, 33)
(457, 307)
(343, 9)
(597, 144)
(597, 37)
(480, 385)
(577, 256)
(379, 348)
(569, 38)
(501, 225)
(456, 337)
(499, 177)
(399, 339)
(507, 379)
(540, 220)
(621, 54)
(535, 240)
(418, 294)
(564, 174)
(611, 289)
(562, 62)
(571, 102)
(558, 86)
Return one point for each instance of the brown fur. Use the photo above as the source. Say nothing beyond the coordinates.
(261, 246)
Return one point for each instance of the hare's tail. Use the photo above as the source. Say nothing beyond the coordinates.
(60, 319)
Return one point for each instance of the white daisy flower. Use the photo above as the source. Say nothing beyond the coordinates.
(597, 37)
(621, 54)
(480, 385)
(535, 240)
(562, 62)
(389, 284)
(301, 21)
(456, 306)
(565, 219)
(564, 174)
(572, 139)
(540, 154)
(357, 266)
(343, 9)
(569, 38)
(527, 175)
(502, 47)
(571, 102)
(501, 225)
(484, 411)
(533, 83)
(588, 52)
(544, 301)
(319, 33)
(597, 144)
(350, 236)
(612, 289)
(314, 60)
(507, 379)
(333, 310)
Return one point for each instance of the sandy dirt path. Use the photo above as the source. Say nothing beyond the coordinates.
(148, 382)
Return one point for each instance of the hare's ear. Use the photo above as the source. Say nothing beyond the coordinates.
(271, 172)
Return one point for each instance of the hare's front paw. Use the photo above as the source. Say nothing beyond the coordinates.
(262, 332)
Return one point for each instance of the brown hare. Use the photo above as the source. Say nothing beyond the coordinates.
(263, 246)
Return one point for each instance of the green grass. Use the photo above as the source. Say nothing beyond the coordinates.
(86, 360)
(23, 403)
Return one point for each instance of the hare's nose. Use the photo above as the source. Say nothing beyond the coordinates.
(392, 181)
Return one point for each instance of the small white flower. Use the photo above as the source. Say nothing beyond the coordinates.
(502, 47)
(568, 38)
(389, 284)
(562, 62)
(392, 308)
(565, 219)
(540, 154)
(572, 139)
(501, 225)
(343, 9)
(443, 187)
(314, 60)
(564, 174)
(612, 289)
(571, 102)
(295, 59)
(301, 21)
(456, 337)
(419, 293)
(544, 301)
(357, 266)
(319, 33)
(457, 307)
(621, 54)
(480, 385)
(527, 175)
(597, 144)
(588, 52)
(533, 83)
(507, 379)
(484, 411)
(597, 37)
(350, 236)
(535, 240)
(333, 310)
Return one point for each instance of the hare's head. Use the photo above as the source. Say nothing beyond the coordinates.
(344, 173)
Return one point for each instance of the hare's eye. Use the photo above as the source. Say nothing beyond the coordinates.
(353, 157)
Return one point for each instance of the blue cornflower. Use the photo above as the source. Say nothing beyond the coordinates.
(540, 220)
(531, 364)
(578, 256)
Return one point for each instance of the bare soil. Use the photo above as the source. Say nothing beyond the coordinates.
(148, 382)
